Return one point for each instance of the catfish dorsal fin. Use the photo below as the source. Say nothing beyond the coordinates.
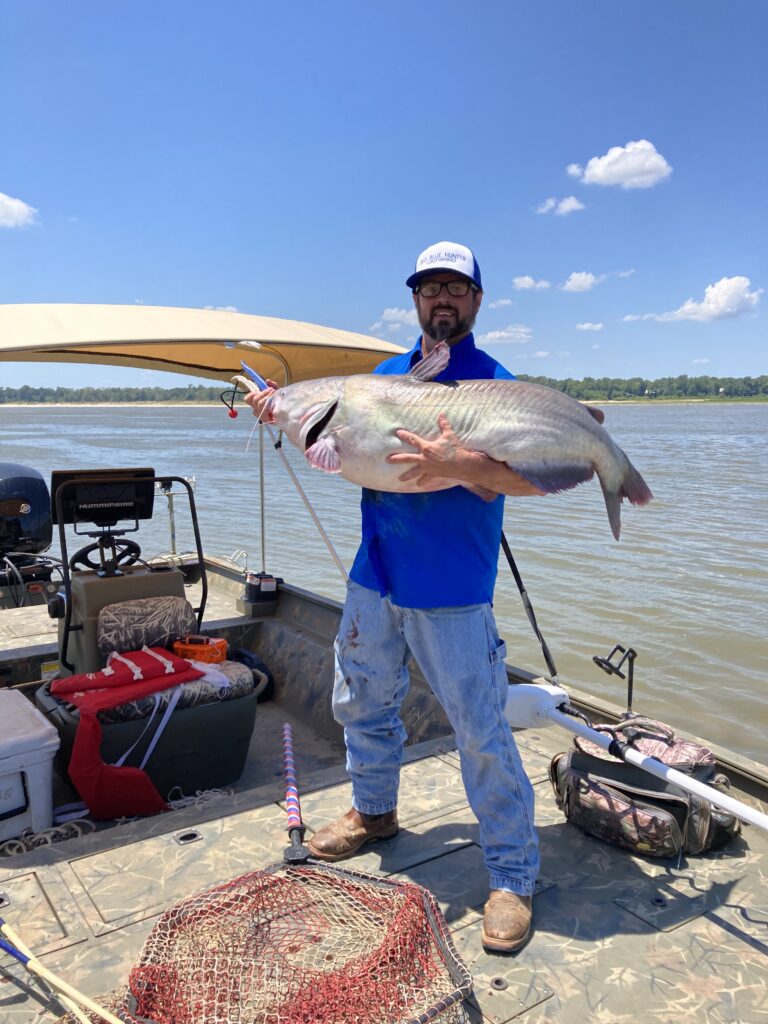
(429, 367)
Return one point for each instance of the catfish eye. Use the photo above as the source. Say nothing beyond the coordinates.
(317, 428)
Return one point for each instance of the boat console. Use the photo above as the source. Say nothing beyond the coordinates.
(109, 569)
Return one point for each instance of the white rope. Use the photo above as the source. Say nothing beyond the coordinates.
(29, 840)
(202, 796)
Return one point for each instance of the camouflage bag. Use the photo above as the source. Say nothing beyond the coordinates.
(626, 806)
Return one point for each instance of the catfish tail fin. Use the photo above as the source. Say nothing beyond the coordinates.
(633, 488)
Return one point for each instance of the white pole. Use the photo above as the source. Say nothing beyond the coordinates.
(534, 706)
(61, 987)
(296, 483)
(15, 940)
(308, 504)
(662, 771)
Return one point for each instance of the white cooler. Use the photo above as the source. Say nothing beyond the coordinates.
(28, 743)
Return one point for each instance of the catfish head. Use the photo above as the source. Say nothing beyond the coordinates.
(305, 410)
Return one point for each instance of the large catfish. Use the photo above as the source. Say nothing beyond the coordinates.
(347, 425)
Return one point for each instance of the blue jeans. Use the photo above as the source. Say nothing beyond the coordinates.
(462, 658)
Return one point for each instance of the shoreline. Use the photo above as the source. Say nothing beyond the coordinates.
(214, 404)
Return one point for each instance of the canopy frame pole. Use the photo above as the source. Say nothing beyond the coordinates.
(303, 495)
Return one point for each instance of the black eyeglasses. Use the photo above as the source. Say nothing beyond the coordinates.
(431, 289)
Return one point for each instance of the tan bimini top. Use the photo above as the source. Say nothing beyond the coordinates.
(198, 342)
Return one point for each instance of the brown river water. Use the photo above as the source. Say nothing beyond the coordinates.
(686, 587)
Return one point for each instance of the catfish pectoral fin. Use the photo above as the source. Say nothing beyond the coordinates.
(324, 455)
(556, 477)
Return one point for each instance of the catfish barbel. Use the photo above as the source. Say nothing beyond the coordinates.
(347, 425)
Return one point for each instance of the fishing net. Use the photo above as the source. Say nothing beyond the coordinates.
(298, 945)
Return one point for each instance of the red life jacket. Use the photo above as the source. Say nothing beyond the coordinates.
(110, 791)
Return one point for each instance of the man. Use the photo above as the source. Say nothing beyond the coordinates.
(422, 584)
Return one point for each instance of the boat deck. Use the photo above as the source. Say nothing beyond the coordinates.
(616, 938)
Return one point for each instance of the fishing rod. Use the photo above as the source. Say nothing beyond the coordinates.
(535, 705)
(255, 382)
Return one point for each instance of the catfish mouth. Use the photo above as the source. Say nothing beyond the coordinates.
(316, 424)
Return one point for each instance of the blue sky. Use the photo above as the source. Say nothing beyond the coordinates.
(606, 161)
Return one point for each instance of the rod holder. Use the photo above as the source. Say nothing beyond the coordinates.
(628, 655)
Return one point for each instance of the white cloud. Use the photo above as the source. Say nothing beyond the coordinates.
(517, 334)
(582, 281)
(589, 327)
(595, 346)
(394, 315)
(527, 283)
(499, 303)
(569, 205)
(561, 207)
(224, 309)
(727, 298)
(625, 273)
(636, 165)
(15, 213)
(392, 327)
(703, 359)
(401, 316)
(539, 355)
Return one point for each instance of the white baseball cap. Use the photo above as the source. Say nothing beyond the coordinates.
(444, 256)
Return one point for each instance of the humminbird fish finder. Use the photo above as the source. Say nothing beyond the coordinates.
(103, 497)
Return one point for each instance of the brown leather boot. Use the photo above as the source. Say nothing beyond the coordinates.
(348, 833)
(506, 921)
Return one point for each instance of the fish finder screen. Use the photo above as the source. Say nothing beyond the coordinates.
(102, 497)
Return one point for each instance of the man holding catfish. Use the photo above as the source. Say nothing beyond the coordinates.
(422, 584)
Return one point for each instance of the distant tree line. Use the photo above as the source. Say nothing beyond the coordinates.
(589, 389)
(616, 388)
(49, 396)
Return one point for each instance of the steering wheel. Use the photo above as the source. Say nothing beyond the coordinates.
(126, 553)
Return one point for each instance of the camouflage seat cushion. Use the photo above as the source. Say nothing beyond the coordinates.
(147, 621)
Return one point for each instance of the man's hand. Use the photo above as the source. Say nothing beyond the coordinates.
(446, 461)
(259, 399)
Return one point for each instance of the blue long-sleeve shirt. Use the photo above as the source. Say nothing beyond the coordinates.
(438, 549)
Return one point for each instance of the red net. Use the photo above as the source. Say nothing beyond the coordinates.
(299, 945)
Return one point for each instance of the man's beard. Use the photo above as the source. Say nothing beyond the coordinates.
(447, 330)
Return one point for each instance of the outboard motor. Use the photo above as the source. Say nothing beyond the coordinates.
(25, 532)
(25, 511)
